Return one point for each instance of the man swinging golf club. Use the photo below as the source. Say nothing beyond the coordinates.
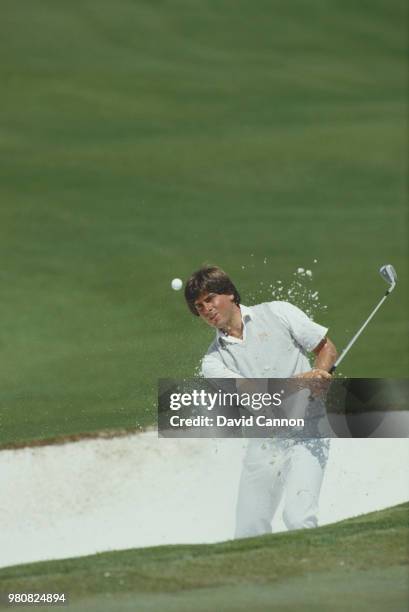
(269, 340)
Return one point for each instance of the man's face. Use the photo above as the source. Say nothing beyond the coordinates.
(216, 309)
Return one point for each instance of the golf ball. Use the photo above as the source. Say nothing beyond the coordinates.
(176, 284)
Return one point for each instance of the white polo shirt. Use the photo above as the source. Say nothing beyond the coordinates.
(276, 339)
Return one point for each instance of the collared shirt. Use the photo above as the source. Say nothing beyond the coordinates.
(276, 339)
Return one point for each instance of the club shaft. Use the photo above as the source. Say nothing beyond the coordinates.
(358, 333)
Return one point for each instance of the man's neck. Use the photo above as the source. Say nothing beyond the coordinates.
(235, 326)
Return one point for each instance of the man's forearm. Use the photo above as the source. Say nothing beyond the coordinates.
(325, 355)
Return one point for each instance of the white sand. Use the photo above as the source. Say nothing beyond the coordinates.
(106, 494)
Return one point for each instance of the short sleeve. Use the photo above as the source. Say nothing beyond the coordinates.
(215, 368)
(305, 331)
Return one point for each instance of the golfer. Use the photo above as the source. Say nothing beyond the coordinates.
(269, 340)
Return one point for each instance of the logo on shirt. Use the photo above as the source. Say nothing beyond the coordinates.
(263, 336)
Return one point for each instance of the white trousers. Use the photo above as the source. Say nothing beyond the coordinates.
(273, 469)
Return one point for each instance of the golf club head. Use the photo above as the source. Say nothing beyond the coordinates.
(388, 273)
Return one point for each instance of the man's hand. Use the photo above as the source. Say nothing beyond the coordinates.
(325, 356)
(316, 373)
(317, 381)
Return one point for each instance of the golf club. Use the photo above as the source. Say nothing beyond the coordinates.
(388, 273)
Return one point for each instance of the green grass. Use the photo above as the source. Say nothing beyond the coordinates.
(358, 564)
(139, 140)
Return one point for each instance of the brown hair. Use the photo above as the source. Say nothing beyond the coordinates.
(209, 279)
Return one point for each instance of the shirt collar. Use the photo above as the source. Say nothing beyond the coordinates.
(245, 312)
(246, 315)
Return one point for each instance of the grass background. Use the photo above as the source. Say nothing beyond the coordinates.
(141, 139)
(359, 564)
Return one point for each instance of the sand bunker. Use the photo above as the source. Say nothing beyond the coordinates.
(107, 494)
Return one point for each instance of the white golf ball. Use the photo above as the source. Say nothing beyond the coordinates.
(176, 284)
